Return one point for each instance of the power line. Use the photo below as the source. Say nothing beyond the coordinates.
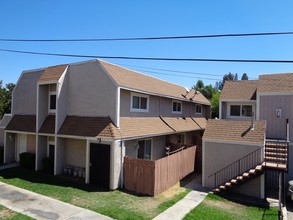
(177, 75)
(149, 58)
(169, 70)
(150, 38)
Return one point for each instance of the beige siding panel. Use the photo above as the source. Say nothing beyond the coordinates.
(63, 100)
(75, 152)
(130, 148)
(31, 143)
(43, 104)
(25, 93)
(91, 92)
(276, 127)
(220, 155)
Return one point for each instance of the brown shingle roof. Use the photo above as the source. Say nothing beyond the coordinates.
(282, 82)
(48, 126)
(25, 123)
(143, 126)
(239, 90)
(202, 122)
(88, 126)
(235, 131)
(134, 80)
(181, 124)
(52, 73)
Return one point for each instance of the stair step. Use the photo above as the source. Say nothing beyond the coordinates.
(245, 174)
(252, 171)
(280, 149)
(275, 165)
(222, 187)
(240, 177)
(274, 154)
(228, 184)
(276, 159)
(259, 167)
(234, 181)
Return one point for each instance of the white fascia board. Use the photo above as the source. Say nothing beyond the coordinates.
(274, 93)
(46, 134)
(48, 82)
(21, 132)
(118, 95)
(160, 95)
(103, 139)
(155, 135)
(237, 100)
(231, 142)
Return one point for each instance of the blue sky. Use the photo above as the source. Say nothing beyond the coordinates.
(54, 19)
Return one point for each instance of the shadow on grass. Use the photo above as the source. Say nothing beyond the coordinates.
(44, 178)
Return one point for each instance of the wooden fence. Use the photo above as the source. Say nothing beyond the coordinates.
(151, 177)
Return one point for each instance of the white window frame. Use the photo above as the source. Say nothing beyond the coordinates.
(140, 96)
(177, 102)
(144, 153)
(239, 104)
(198, 113)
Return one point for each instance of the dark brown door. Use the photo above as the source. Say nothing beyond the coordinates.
(100, 165)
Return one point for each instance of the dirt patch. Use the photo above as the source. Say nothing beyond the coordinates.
(168, 194)
(6, 213)
(230, 207)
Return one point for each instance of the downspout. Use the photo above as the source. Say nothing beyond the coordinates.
(287, 129)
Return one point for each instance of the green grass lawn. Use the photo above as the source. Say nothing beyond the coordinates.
(116, 204)
(7, 214)
(215, 207)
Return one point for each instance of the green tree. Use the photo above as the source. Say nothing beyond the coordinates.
(5, 98)
(244, 76)
(215, 104)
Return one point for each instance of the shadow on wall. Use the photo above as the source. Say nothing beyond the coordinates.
(1, 155)
(44, 178)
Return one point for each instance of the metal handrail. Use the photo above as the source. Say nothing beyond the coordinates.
(234, 169)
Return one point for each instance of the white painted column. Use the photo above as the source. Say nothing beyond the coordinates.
(5, 146)
(87, 162)
(112, 166)
(262, 184)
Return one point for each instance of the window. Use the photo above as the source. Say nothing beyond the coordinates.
(176, 107)
(52, 101)
(145, 149)
(181, 138)
(52, 98)
(198, 109)
(241, 110)
(139, 102)
(235, 110)
(247, 110)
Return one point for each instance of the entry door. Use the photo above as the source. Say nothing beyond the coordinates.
(100, 165)
(21, 145)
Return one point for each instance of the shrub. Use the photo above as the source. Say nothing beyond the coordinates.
(27, 160)
(48, 165)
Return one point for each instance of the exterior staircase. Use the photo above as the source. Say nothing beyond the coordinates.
(253, 165)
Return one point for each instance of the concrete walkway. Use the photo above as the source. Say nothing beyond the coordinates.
(185, 205)
(42, 207)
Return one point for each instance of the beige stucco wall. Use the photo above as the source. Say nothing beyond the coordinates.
(9, 150)
(159, 106)
(90, 91)
(25, 93)
(31, 143)
(276, 127)
(219, 155)
(75, 152)
(62, 95)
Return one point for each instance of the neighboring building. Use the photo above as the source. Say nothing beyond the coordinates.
(92, 114)
(269, 99)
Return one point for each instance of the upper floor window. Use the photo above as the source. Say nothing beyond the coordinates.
(181, 138)
(52, 98)
(139, 102)
(198, 109)
(176, 107)
(241, 110)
